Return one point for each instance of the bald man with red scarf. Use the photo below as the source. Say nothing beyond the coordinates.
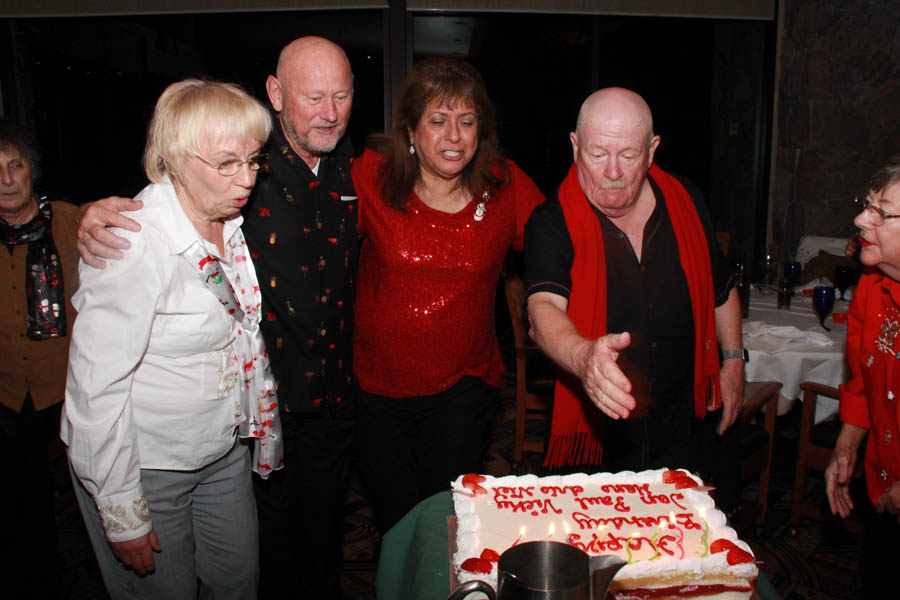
(614, 196)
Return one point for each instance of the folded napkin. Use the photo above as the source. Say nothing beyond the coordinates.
(775, 338)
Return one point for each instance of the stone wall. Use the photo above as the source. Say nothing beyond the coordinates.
(838, 111)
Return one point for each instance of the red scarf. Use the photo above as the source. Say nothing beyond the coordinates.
(577, 428)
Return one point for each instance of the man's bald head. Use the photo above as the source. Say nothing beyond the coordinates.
(313, 92)
(307, 51)
(613, 146)
(615, 104)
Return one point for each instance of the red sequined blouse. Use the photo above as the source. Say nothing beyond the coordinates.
(870, 399)
(427, 283)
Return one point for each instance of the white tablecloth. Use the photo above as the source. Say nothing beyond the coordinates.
(792, 363)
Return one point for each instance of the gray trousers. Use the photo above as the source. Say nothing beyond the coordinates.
(206, 524)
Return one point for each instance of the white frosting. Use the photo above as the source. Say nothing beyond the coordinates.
(627, 514)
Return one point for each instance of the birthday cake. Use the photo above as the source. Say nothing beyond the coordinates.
(663, 523)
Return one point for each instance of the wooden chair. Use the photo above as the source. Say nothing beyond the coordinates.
(534, 392)
(811, 455)
(759, 396)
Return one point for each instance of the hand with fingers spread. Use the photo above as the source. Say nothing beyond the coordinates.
(137, 554)
(840, 469)
(95, 240)
(605, 383)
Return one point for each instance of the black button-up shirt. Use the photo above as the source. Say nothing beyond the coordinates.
(301, 230)
(648, 298)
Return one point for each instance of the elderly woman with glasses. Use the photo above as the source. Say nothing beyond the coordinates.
(869, 401)
(168, 370)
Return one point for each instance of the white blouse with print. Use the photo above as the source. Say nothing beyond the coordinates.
(151, 380)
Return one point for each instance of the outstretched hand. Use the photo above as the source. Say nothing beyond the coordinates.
(604, 381)
(95, 241)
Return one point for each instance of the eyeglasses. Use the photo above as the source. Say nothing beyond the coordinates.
(876, 214)
(232, 166)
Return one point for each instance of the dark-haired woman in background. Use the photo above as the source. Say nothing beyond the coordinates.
(439, 209)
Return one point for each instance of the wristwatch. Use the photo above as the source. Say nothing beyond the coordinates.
(736, 353)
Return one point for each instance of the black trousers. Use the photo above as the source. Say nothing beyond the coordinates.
(880, 553)
(412, 448)
(27, 520)
(300, 507)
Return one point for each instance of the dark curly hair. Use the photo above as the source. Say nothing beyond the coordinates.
(887, 174)
(452, 81)
(15, 137)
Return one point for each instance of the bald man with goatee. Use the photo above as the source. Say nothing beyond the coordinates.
(629, 294)
(300, 225)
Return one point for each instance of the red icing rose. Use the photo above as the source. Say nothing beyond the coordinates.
(471, 482)
(735, 555)
(681, 479)
(477, 565)
(490, 555)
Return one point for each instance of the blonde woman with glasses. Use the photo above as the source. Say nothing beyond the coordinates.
(167, 367)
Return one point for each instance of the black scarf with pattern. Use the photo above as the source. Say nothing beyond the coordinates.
(44, 279)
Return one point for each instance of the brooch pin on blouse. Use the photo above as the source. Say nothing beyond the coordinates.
(480, 210)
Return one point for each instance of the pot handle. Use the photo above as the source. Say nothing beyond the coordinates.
(470, 587)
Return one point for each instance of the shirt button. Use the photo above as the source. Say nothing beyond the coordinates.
(621, 235)
(884, 475)
(890, 395)
(888, 436)
(324, 298)
(322, 331)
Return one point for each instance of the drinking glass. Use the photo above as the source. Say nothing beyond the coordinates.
(843, 278)
(785, 291)
(792, 272)
(769, 267)
(823, 302)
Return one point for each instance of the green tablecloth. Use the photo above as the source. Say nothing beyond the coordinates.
(415, 564)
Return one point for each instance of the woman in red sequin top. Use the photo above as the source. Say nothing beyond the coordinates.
(439, 208)
(869, 401)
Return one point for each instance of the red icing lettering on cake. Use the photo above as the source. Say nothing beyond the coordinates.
(513, 492)
(555, 490)
(533, 507)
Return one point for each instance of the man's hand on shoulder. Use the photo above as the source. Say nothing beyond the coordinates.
(95, 241)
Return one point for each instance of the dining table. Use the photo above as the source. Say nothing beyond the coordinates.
(415, 555)
(789, 345)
